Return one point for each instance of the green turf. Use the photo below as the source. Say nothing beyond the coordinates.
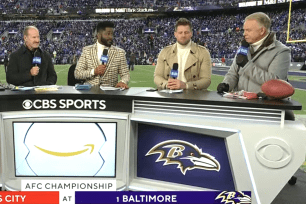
(142, 76)
(297, 78)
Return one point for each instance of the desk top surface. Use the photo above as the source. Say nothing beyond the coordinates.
(141, 93)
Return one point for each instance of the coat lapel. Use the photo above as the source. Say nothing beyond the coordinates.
(191, 59)
(267, 44)
(173, 56)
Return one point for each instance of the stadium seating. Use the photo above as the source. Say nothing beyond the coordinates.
(220, 33)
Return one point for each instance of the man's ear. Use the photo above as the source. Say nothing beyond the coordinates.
(263, 30)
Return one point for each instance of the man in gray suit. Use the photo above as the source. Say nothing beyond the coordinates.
(260, 58)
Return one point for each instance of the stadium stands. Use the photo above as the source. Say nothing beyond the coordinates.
(221, 33)
(48, 6)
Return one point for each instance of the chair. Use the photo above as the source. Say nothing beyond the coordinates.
(71, 81)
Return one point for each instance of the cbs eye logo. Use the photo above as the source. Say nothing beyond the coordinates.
(27, 104)
(273, 153)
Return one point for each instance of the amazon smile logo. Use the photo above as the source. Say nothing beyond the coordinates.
(67, 154)
(65, 148)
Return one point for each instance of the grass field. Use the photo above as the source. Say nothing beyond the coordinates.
(142, 76)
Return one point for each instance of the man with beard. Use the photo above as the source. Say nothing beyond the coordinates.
(194, 63)
(94, 70)
(29, 65)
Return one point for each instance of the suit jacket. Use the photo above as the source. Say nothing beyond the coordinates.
(116, 65)
(20, 64)
(270, 61)
(197, 70)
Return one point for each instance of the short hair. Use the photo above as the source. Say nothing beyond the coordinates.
(183, 21)
(26, 30)
(262, 19)
(104, 24)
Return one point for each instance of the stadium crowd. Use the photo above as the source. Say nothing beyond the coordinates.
(221, 34)
(49, 7)
(62, 7)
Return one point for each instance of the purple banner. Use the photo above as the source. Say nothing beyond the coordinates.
(182, 197)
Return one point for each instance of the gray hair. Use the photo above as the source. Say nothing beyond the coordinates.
(262, 19)
(26, 29)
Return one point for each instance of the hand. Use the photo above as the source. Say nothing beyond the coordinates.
(34, 71)
(176, 84)
(100, 70)
(223, 87)
(242, 54)
(122, 85)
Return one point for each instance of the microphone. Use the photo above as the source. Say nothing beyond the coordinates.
(174, 71)
(242, 53)
(104, 57)
(36, 61)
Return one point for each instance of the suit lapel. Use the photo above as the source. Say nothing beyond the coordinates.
(94, 55)
(111, 56)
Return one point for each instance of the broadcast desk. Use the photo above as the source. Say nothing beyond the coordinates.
(247, 145)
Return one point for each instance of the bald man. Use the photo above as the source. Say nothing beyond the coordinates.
(22, 70)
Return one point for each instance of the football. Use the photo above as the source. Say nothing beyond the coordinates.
(277, 89)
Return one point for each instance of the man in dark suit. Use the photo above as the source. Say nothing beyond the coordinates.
(22, 71)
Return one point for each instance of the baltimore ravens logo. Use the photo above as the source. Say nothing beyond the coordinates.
(186, 155)
(234, 197)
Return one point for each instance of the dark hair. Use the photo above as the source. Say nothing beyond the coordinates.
(183, 21)
(104, 24)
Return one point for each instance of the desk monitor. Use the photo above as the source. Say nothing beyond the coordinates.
(46, 146)
(183, 157)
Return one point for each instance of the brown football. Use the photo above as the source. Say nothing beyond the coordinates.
(277, 88)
